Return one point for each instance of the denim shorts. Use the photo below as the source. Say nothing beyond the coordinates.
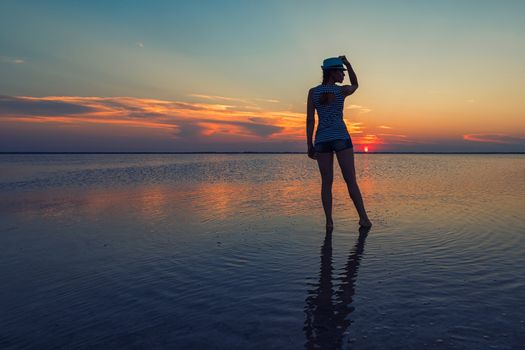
(334, 145)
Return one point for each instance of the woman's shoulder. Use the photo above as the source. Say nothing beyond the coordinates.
(327, 87)
(319, 87)
(315, 90)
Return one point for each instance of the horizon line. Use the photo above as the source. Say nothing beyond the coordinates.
(253, 152)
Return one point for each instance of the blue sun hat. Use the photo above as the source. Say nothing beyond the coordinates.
(333, 63)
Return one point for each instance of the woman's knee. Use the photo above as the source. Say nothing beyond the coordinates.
(327, 181)
(350, 181)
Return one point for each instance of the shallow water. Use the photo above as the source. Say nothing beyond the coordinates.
(229, 252)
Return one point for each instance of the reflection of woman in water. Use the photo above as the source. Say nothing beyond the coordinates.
(326, 310)
(332, 136)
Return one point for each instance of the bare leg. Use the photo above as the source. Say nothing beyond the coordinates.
(326, 168)
(346, 162)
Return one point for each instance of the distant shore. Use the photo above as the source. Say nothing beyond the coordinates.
(209, 152)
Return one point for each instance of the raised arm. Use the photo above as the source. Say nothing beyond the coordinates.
(349, 89)
(310, 124)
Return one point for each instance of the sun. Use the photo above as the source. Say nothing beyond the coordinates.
(366, 149)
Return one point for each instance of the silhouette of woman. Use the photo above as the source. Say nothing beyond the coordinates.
(332, 135)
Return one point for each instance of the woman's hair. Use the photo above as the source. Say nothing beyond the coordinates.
(325, 96)
(326, 75)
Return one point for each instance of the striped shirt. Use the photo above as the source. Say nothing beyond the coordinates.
(331, 124)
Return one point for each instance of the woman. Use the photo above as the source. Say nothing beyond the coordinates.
(332, 136)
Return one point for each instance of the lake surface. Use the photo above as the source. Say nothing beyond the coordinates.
(229, 252)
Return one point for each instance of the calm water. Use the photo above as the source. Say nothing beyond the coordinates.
(229, 252)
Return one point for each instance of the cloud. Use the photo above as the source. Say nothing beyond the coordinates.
(217, 98)
(355, 127)
(358, 108)
(262, 130)
(185, 120)
(11, 60)
(243, 127)
(385, 127)
(368, 139)
(189, 130)
(249, 101)
(393, 135)
(32, 106)
(267, 100)
(139, 44)
(383, 139)
(396, 138)
(262, 120)
(494, 138)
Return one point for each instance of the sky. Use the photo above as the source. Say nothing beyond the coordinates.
(178, 76)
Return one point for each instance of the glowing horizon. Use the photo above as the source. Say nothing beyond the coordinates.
(194, 122)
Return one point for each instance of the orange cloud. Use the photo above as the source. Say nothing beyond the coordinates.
(368, 139)
(382, 139)
(187, 119)
(395, 138)
(355, 127)
(360, 109)
(494, 138)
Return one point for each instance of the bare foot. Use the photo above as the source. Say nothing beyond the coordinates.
(365, 223)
